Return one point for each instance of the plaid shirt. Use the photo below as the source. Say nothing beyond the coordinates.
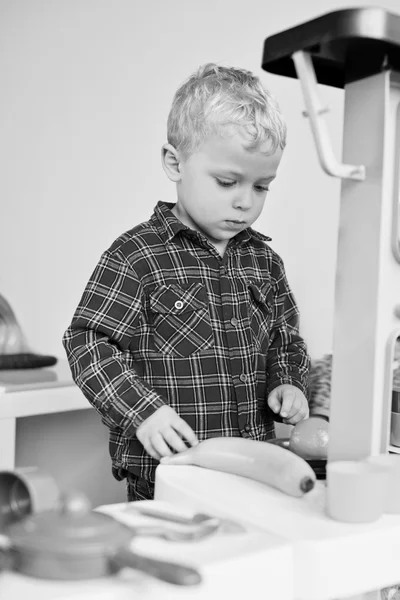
(164, 319)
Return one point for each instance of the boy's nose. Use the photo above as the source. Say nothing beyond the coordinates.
(244, 200)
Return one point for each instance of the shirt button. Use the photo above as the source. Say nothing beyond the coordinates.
(243, 377)
(234, 322)
(223, 270)
(247, 428)
(178, 304)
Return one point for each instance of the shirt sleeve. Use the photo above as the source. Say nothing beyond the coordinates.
(320, 386)
(96, 343)
(288, 361)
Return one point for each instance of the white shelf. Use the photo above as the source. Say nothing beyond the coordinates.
(41, 402)
(27, 394)
(25, 399)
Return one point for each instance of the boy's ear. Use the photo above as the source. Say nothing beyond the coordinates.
(170, 162)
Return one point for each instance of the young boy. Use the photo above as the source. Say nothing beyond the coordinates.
(187, 328)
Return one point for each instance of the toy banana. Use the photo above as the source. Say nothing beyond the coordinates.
(256, 460)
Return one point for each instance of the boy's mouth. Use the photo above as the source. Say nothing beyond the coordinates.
(234, 223)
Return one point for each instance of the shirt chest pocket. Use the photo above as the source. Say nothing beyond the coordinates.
(260, 312)
(180, 319)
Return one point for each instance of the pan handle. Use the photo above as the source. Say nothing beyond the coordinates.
(160, 569)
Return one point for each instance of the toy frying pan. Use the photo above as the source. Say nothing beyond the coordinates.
(75, 542)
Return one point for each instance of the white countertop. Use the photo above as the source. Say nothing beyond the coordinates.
(234, 566)
(331, 559)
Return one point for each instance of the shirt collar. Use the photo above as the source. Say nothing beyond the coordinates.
(249, 233)
(169, 226)
(167, 223)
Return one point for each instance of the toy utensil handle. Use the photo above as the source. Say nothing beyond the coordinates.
(160, 569)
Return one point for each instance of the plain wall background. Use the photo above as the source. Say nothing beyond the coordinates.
(86, 86)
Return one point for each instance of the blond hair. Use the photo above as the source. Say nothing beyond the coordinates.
(215, 96)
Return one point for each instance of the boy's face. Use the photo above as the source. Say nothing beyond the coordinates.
(222, 186)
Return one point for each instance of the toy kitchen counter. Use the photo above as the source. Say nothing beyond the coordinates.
(331, 559)
(232, 564)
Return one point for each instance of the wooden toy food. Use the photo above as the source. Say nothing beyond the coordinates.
(267, 463)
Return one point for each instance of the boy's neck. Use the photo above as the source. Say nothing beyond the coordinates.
(219, 246)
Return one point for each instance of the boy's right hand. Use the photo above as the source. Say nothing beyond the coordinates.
(161, 434)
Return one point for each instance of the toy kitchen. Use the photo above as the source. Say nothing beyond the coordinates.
(318, 520)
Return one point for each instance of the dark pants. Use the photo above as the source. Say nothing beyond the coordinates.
(138, 488)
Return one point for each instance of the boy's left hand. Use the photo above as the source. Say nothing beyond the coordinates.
(288, 402)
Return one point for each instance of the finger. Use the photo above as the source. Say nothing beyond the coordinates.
(146, 442)
(186, 432)
(289, 405)
(298, 416)
(273, 402)
(297, 407)
(174, 440)
(143, 439)
(148, 446)
(160, 446)
(293, 420)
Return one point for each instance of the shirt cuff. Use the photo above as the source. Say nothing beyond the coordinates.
(288, 380)
(319, 411)
(144, 407)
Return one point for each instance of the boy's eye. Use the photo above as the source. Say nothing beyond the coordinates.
(229, 183)
(224, 183)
